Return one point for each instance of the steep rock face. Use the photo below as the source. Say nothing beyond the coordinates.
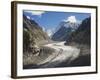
(32, 33)
(83, 34)
(65, 29)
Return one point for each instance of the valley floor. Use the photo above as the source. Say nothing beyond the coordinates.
(62, 56)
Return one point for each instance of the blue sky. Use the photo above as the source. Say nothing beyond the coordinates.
(50, 19)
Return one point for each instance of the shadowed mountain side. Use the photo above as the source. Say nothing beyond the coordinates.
(81, 38)
(82, 35)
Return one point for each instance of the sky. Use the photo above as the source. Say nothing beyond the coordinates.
(49, 20)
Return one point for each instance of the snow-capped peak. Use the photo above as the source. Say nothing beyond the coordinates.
(70, 22)
(71, 19)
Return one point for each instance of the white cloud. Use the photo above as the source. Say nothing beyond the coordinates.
(72, 19)
(38, 13)
(28, 17)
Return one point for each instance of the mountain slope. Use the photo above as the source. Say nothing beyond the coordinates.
(65, 29)
(32, 33)
(82, 34)
(81, 38)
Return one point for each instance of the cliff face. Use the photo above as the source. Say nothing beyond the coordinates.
(83, 34)
(32, 33)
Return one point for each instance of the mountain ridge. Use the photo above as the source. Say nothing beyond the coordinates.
(32, 33)
(82, 34)
(64, 29)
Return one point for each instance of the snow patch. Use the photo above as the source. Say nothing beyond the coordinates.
(71, 19)
(49, 32)
(28, 17)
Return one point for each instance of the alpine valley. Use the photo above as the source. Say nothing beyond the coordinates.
(68, 46)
